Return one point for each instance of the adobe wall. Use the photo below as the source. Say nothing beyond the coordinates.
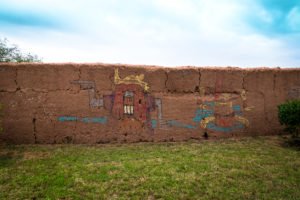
(100, 103)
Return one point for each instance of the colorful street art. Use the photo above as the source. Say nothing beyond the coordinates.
(211, 118)
(131, 98)
(130, 103)
(221, 112)
(132, 106)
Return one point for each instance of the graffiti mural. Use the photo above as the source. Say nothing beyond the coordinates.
(222, 112)
(131, 98)
(221, 117)
(130, 103)
(133, 108)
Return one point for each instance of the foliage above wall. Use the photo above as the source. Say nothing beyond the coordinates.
(12, 53)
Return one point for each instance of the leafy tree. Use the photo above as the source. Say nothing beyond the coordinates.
(11, 53)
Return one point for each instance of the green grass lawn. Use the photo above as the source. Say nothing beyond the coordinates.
(247, 168)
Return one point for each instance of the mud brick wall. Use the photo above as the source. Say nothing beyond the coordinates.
(100, 103)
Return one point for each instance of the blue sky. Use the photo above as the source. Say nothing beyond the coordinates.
(246, 33)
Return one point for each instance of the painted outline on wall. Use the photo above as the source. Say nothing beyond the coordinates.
(91, 87)
(98, 120)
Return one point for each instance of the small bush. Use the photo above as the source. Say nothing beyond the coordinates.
(289, 115)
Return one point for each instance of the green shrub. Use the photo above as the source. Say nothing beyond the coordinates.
(289, 115)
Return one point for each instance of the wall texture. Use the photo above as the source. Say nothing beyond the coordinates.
(100, 103)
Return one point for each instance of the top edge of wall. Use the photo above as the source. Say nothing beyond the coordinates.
(260, 68)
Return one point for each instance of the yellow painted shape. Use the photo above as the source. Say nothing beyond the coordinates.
(229, 104)
(131, 79)
(242, 120)
(226, 96)
(204, 122)
(243, 95)
(203, 106)
(249, 108)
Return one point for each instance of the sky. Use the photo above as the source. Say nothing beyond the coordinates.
(244, 33)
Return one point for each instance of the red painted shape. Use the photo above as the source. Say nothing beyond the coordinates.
(139, 101)
(225, 121)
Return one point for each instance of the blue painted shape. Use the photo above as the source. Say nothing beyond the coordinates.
(214, 127)
(201, 114)
(67, 118)
(175, 123)
(209, 103)
(153, 123)
(100, 120)
(236, 107)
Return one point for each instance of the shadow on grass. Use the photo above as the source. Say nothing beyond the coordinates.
(292, 142)
(8, 157)
(6, 160)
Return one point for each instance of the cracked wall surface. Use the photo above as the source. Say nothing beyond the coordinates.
(54, 103)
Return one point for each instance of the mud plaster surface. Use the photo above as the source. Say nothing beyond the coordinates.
(40, 104)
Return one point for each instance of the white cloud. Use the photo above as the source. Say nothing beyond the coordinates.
(171, 33)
